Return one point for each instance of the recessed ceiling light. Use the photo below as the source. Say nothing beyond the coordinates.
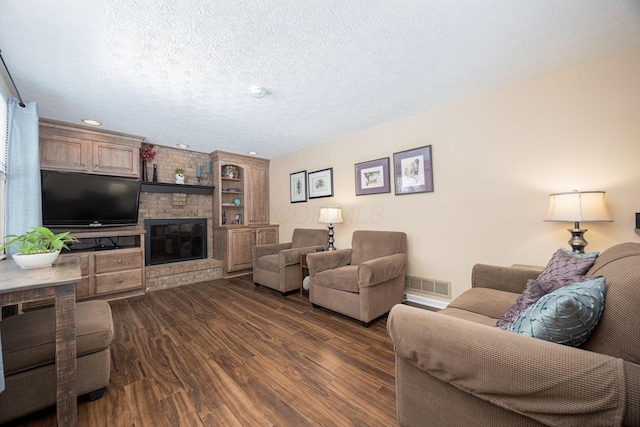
(182, 146)
(92, 122)
(253, 153)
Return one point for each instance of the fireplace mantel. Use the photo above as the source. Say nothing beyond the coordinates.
(163, 187)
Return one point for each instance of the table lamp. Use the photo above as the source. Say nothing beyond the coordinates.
(578, 206)
(330, 215)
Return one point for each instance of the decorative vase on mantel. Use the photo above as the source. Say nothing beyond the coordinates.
(144, 170)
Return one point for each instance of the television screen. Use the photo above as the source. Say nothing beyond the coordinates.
(82, 200)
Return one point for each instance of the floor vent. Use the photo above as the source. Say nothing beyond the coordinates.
(429, 286)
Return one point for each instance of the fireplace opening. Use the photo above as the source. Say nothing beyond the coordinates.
(175, 240)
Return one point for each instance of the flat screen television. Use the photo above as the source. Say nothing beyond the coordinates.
(75, 200)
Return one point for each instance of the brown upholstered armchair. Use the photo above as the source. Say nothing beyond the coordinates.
(277, 266)
(363, 282)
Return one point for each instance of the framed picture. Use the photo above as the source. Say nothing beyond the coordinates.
(372, 177)
(321, 183)
(298, 182)
(413, 171)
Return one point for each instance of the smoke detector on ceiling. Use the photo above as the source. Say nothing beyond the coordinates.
(257, 91)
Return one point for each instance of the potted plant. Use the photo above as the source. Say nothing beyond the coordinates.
(37, 248)
(179, 176)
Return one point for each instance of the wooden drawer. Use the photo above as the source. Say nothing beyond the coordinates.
(119, 281)
(118, 260)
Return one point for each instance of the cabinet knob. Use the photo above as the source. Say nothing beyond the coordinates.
(119, 261)
(119, 280)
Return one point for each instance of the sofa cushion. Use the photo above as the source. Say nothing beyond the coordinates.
(535, 290)
(268, 262)
(484, 301)
(28, 340)
(565, 316)
(564, 263)
(343, 279)
(468, 315)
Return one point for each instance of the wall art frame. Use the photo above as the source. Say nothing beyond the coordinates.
(413, 170)
(298, 186)
(372, 177)
(320, 183)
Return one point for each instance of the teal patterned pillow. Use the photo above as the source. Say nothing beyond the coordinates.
(565, 316)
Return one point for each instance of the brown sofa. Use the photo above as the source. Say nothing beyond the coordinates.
(362, 282)
(28, 351)
(454, 370)
(277, 266)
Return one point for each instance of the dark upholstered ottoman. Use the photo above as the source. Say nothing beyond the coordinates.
(28, 351)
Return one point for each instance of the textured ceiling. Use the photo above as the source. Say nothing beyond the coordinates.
(179, 71)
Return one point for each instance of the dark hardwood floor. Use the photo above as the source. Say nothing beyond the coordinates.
(225, 353)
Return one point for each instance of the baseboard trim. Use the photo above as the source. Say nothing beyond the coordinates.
(429, 302)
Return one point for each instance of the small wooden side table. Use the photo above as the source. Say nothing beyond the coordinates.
(304, 271)
(59, 281)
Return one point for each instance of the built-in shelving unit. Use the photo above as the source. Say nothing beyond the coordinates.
(240, 209)
(232, 196)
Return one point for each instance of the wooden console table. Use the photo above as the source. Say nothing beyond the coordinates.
(58, 282)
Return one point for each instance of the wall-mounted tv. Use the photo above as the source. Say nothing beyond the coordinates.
(76, 200)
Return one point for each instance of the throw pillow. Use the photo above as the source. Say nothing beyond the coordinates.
(535, 290)
(579, 255)
(567, 264)
(565, 316)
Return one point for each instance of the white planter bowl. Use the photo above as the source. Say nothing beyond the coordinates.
(30, 261)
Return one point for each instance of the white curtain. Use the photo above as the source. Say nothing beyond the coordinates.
(23, 194)
(23, 199)
(4, 138)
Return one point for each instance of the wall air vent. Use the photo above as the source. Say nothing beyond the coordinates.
(428, 286)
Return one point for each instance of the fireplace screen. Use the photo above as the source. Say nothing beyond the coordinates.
(174, 240)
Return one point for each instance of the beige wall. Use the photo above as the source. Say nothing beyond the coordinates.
(496, 158)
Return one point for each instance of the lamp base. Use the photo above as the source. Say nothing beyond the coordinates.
(331, 247)
(577, 241)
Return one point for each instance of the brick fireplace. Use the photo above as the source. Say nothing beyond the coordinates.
(177, 205)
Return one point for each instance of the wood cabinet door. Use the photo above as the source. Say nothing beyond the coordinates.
(64, 153)
(113, 159)
(266, 235)
(258, 196)
(240, 241)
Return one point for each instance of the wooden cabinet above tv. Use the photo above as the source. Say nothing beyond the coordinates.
(76, 148)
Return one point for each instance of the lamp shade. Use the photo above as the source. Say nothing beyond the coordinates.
(330, 215)
(578, 206)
